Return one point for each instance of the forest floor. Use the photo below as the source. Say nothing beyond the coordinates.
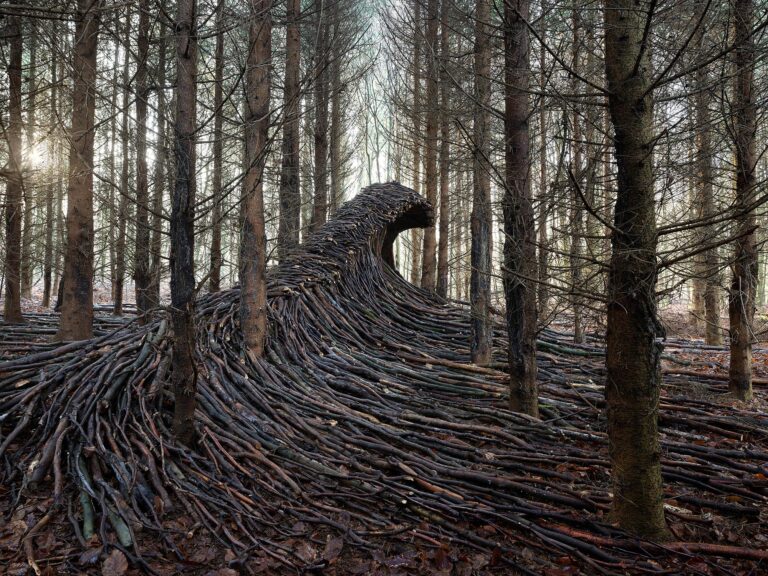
(727, 508)
(715, 496)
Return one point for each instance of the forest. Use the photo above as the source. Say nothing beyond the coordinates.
(387, 287)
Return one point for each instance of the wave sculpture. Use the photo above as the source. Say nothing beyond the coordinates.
(363, 438)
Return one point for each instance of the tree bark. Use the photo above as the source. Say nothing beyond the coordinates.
(741, 300)
(430, 152)
(29, 188)
(124, 203)
(481, 219)
(158, 184)
(307, 164)
(633, 352)
(253, 247)
(184, 375)
(337, 118)
(593, 154)
(459, 223)
(77, 292)
(58, 265)
(59, 211)
(519, 223)
(13, 188)
(542, 297)
(576, 218)
(214, 282)
(110, 161)
(445, 151)
(709, 261)
(50, 217)
(416, 135)
(320, 205)
(141, 250)
(289, 223)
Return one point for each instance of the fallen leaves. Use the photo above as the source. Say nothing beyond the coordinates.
(223, 572)
(333, 548)
(116, 564)
(90, 557)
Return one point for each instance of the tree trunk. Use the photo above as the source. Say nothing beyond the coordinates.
(445, 151)
(430, 155)
(77, 292)
(741, 300)
(481, 219)
(307, 164)
(110, 161)
(123, 205)
(158, 184)
(141, 250)
(519, 224)
(184, 375)
(13, 190)
(50, 217)
(337, 128)
(457, 246)
(253, 247)
(416, 135)
(542, 297)
(592, 161)
(58, 265)
(59, 212)
(29, 188)
(289, 223)
(214, 282)
(576, 218)
(320, 205)
(633, 352)
(709, 261)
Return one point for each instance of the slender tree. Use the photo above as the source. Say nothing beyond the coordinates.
(77, 291)
(542, 296)
(481, 219)
(141, 249)
(320, 204)
(125, 200)
(519, 223)
(158, 183)
(708, 263)
(184, 375)
(29, 189)
(430, 149)
(741, 300)
(214, 282)
(576, 216)
(50, 189)
(111, 155)
(253, 248)
(633, 351)
(416, 134)
(289, 223)
(445, 151)
(13, 189)
(337, 117)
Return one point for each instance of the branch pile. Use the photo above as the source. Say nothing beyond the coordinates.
(363, 439)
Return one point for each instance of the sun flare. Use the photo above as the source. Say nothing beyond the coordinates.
(37, 155)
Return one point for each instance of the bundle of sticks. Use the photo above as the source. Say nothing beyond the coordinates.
(366, 418)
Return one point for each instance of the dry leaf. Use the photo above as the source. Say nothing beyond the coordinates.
(90, 557)
(116, 564)
(333, 548)
(306, 552)
(223, 572)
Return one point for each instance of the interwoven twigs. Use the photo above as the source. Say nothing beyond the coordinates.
(366, 418)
